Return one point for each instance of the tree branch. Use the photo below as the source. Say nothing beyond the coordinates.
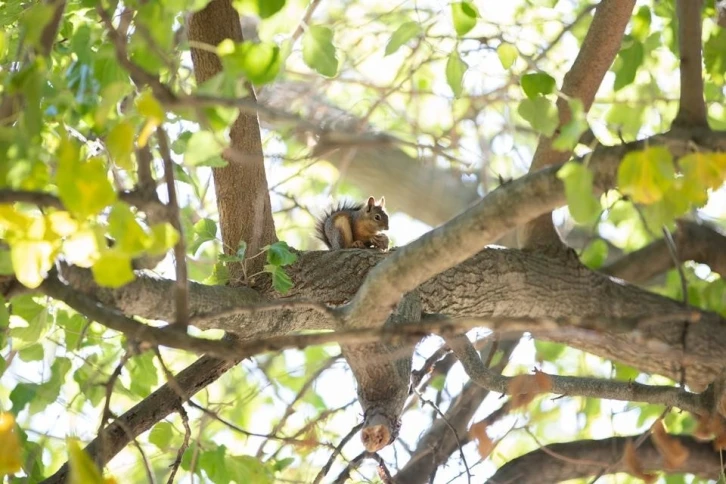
(692, 107)
(696, 242)
(243, 201)
(583, 458)
(582, 81)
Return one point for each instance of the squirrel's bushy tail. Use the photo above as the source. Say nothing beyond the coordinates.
(321, 221)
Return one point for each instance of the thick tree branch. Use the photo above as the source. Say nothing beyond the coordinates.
(692, 107)
(583, 387)
(584, 458)
(243, 201)
(596, 55)
(694, 242)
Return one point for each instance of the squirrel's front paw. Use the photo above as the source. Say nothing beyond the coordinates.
(380, 241)
(358, 244)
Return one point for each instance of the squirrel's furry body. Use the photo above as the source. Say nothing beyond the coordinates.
(354, 225)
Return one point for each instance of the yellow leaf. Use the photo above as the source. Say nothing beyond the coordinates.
(646, 175)
(130, 237)
(62, 223)
(82, 468)
(10, 458)
(16, 223)
(120, 144)
(164, 238)
(150, 108)
(113, 269)
(83, 248)
(704, 169)
(32, 259)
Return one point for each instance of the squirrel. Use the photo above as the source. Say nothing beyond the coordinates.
(351, 225)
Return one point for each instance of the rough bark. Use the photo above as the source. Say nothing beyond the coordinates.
(382, 372)
(584, 458)
(691, 107)
(241, 187)
(582, 81)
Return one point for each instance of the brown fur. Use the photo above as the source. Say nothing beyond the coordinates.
(354, 225)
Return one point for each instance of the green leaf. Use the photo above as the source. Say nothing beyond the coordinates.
(268, 8)
(595, 254)
(437, 382)
(6, 263)
(34, 20)
(161, 436)
(581, 201)
(36, 317)
(83, 187)
(282, 464)
(163, 238)
(464, 15)
(571, 132)
(319, 51)
(143, 374)
(280, 280)
(627, 120)
(73, 328)
(403, 34)
(81, 468)
(541, 115)
(244, 468)
(214, 463)
(201, 146)
(641, 23)
(120, 144)
(131, 239)
(706, 170)
(629, 60)
(113, 269)
(259, 62)
(455, 70)
(22, 394)
(537, 83)
(205, 230)
(646, 175)
(219, 275)
(547, 351)
(714, 55)
(279, 254)
(507, 54)
(33, 352)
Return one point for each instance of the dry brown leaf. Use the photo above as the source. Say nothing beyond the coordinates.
(523, 388)
(633, 466)
(485, 445)
(673, 452)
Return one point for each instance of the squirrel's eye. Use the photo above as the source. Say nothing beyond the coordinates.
(377, 217)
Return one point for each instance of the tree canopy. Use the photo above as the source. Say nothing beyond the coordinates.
(553, 306)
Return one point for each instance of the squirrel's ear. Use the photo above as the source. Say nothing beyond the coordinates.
(382, 202)
(371, 203)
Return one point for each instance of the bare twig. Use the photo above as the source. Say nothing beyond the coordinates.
(106, 413)
(305, 20)
(185, 444)
(336, 452)
(182, 284)
(352, 465)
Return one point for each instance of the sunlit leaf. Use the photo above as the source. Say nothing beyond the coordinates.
(464, 14)
(151, 110)
(595, 254)
(258, 62)
(83, 186)
(537, 83)
(540, 113)
(582, 203)
(130, 238)
(161, 435)
(507, 53)
(402, 35)
(268, 8)
(81, 468)
(645, 175)
(629, 60)
(319, 51)
(202, 146)
(279, 254)
(120, 144)
(10, 451)
(455, 70)
(113, 269)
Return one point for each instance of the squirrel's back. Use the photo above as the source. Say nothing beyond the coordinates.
(327, 219)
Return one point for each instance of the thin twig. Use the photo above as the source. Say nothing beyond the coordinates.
(106, 412)
(182, 283)
(352, 465)
(185, 444)
(453, 431)
(338, 449)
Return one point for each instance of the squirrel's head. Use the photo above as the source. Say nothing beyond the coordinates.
(376, 212)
